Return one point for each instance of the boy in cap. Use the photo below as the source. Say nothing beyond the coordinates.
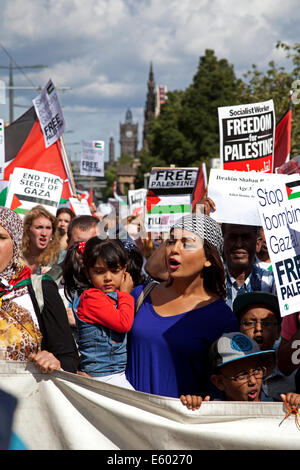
(238, 367)
(259, 318)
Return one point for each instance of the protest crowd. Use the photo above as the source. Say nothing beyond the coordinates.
(196, 318)
(190, 312)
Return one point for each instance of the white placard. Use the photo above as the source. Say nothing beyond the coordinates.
(28, 188)
(80, 207)
(233, 193)
(2, 149)
(50, 114)
(136, 201)
(279, 208)
(92, 158)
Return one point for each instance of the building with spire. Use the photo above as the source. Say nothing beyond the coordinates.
(129, 136)
(150, 105)
(111, 152)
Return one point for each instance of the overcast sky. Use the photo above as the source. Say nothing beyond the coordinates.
(102, 49)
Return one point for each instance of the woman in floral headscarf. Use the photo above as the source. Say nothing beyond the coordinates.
(25, 333)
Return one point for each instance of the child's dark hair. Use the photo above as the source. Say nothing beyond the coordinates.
(135, 266)
(110, 251)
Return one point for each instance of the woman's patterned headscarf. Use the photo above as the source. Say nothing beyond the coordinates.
(14, 226)
(204, 226)
(20, 334)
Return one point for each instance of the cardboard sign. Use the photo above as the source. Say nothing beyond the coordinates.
(169, 197)
(50, 114)
(247, 134)
(279, 209)
(28, 188)
(233, 193)
(80, 207)
(92, 158)
(136, 201)
(2, 149)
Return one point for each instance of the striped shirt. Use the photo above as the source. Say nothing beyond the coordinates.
(258, 280)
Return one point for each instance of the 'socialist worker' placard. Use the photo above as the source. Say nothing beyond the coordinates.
(279, 209)
(247, 134)
(169, 197)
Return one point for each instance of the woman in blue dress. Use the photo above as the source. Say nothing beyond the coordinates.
(181, 317)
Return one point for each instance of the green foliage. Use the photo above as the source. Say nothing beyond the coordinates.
(125, 159)
(110, 176)
(186, 133)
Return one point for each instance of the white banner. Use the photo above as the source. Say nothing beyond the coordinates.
(278, 205)
(64, 411)
(233, 193)
(49, 112)
(28, 188)
(92, 158)
(2, 149)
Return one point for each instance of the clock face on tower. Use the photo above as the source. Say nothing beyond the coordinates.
(129, 133)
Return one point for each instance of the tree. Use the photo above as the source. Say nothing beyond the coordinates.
(186, 132)
(110, 176)
(276, 84)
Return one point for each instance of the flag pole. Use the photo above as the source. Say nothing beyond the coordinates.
(68, 164)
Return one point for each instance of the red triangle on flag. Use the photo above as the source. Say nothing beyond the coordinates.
(151, 200)
(289, 191)
(15, 203)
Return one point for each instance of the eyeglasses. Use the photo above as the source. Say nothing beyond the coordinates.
(247, 324)
(258, 373)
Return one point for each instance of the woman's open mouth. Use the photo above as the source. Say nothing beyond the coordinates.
(173, 264)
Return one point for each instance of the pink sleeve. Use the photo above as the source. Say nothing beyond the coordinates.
(288, 326)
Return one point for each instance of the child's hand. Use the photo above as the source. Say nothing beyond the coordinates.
(292, 399)
(127, 283)
(193, 402)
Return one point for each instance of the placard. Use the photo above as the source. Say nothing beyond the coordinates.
(279, 209)
(136, 201)
(247, 135)
(28, 188)
(233, 193)
(169, 197)
(49, 112)
(92, 158)
(80, 207)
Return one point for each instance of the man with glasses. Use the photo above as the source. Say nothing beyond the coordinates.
(259, 318)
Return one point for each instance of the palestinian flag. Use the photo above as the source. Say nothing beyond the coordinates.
(50, 88)
(282, 147)
(98, 145)
(293, 189)
(25, 148)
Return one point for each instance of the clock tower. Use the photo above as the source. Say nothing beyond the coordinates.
(129, 136)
